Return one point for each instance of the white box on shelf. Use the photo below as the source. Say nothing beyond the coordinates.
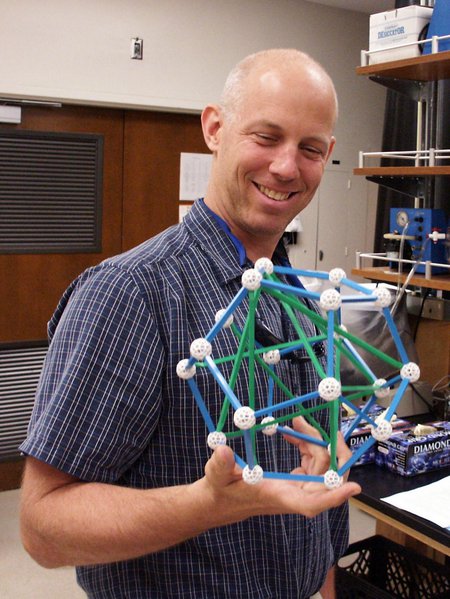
(397, 27)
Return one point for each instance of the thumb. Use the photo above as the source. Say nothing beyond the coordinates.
(221, 469)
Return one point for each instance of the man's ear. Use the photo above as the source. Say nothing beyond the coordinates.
(331, 148)
(211, 125)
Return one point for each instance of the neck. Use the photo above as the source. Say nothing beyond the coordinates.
(263, 250)
(255, 245)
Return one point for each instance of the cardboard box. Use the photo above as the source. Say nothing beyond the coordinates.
(363, 432)
(409, 455)
(395, 27)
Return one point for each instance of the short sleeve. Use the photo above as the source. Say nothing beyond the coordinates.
(99, 396)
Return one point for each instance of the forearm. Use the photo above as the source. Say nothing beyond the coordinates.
(68, 522)
(90, 523)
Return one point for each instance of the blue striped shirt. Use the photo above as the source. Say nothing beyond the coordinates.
(111, 408)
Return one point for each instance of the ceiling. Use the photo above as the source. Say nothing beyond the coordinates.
(367, 6)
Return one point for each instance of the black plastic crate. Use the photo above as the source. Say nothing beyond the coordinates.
(384, 570)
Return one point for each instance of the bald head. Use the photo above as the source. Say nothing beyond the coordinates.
(271, 138)
(272, 66)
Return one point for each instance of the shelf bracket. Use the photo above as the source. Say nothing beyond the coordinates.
(410, 186)
(416, 90)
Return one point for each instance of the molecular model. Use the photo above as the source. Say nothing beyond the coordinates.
(248, 421)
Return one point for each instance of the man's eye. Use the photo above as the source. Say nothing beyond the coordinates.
(266, 139)
(312, 151)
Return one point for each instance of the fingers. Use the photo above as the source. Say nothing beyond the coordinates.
(315, 458)
(302, 426)
(326, 499)
(222, 472)
(223, 478)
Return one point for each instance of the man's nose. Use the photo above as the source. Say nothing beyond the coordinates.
(285, 164)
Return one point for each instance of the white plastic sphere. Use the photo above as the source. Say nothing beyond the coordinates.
(382, 417)
(252, 476)
(336, 275)
(410, 371)
(384, 298)
(264, 265)
(330, 299)
(200, 348)
(244, 418)
(229, 321)
(272, 356)
(382, 431)
(270, 429)
(183, 371)
(329, 388)
(215, 439)
(251, 279)
(332, 480)
(382, 391)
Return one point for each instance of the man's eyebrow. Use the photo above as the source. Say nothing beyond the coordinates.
(316, 139)
(266, 125)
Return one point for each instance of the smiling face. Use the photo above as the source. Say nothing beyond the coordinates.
(269, 156)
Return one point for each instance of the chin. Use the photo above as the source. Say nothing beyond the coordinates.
(267, 229)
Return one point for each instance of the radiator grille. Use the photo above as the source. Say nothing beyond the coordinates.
(20, 368)
(50, 192)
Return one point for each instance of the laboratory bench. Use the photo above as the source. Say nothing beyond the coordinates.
(396, 524)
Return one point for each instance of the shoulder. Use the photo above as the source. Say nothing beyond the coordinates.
(134, 281)
(174, 241)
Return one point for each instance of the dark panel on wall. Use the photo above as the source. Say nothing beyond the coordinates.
(140, 198)
(20, 368)
(33, 283)
(153, 142)
(50, 192)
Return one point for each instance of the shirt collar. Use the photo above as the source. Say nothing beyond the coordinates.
(217, 240)
(224, 226)
(279, 256)
(202, 224)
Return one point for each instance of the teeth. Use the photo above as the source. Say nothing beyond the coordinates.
(274, 195)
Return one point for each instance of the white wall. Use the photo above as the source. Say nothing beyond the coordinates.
(78, 51)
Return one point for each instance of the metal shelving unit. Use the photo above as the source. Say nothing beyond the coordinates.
(417, 78)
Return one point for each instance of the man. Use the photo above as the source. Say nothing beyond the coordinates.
(116, 482)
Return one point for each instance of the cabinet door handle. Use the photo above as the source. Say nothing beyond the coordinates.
(320, 255)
